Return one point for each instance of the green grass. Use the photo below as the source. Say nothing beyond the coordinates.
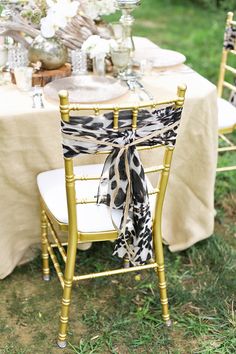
(121, 315)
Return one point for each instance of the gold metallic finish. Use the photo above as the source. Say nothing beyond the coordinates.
(126, 262)
(147, 170)
(224, 138)
(64, 320)
(61, 337)
(229, 148)
(224, 67)
(76, 237)
(56, 239)
(56, 265)
(157, 232)
(162, 285)
(107, 107)
(96, 111)
(229, 86)
(181, 95)
(45, 256)
(222, 72)
(87, 178)
(68, 283)
(66, 302)
(114, 272)
(164, 301)
(161, 268)
(225, 169)
(86, 201)
(154, 191)
(229, 68)
(115, 118)
(135, 118)
(64, 105)
(153, 169)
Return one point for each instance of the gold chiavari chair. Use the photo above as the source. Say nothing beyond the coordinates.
(227, 110)
(67, 195)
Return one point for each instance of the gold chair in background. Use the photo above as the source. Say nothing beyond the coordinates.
(226, 110)
(68, 196)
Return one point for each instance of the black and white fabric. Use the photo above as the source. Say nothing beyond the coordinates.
(230, 38)
(123, 185)
(232, 98)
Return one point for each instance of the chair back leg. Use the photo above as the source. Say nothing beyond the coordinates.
(160, 271)
(68, 282)
(44, 243)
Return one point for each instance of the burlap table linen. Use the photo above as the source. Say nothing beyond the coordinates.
(31, 143)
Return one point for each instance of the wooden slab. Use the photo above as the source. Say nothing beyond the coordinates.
(43, 77)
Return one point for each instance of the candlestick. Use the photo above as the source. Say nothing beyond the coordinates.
(127, 20)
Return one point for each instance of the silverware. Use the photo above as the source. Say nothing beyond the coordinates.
(132, 87)
(37, 98)
(149, 95)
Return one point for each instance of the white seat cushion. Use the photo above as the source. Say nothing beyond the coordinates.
(226, 114)
(90, 217)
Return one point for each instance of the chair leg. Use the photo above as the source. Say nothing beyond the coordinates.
(126, 262)
(160, 271)
(45, 255)
(66, 298)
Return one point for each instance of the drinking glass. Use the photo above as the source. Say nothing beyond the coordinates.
(146, 66)
(17, 57)
(120, 58)
(79, 62)
(99, 68)
(23, 76)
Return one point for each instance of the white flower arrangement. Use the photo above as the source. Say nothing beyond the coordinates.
(96, 8)
(95, 46)
(59, 12)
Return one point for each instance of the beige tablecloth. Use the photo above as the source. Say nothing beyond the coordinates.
(30, 143)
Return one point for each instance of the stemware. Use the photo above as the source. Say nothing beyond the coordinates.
(120, 57)
(127, 20)
(117, 30)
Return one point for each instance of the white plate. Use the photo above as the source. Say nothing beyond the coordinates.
(161, 57)
(86, 88)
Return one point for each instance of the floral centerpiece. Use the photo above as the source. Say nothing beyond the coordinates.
(70, 20)
(97, 8)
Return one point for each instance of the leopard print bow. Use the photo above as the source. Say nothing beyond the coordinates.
(230, 38)
(123, 186)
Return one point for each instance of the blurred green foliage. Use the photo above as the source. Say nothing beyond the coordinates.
(227, 5)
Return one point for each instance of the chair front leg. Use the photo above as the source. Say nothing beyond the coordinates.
(44, 244)
(160, 271)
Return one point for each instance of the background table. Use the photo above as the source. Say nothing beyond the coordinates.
(31, 143)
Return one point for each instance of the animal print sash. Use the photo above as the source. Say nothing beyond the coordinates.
(232, 97)
(123, 186)
(230, 38)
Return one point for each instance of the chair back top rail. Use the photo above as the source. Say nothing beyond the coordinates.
(66, 107)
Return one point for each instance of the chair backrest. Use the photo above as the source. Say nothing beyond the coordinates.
(229, 49)
(115, 131)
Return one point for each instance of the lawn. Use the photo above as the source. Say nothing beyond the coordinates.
(122, 315)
